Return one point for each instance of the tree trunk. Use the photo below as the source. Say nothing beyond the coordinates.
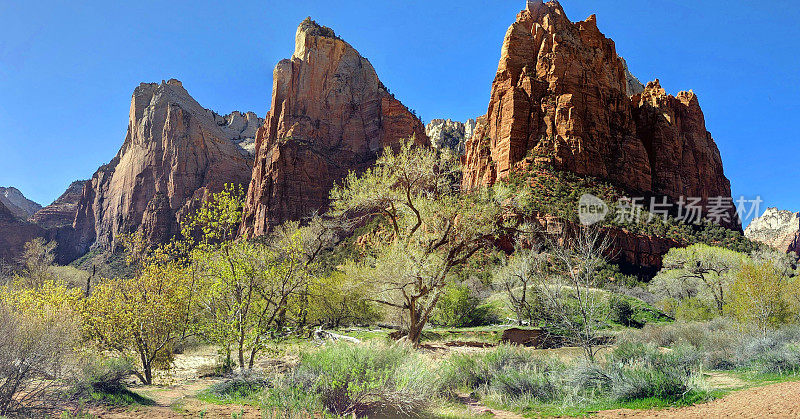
(415, 326)
(147, 368)
(241, 354)
(148, 374)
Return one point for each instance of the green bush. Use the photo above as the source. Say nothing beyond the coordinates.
(643, 381)
(365, 379)
(100, 380)
(720, 345)
(458, 307)
(622, 311)
(692, 309)
(243, 388)
(517, 379)
(104, 374)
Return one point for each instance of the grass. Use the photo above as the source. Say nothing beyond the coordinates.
(119, 397)
(572, 410)
(240, 390)
(758, 379)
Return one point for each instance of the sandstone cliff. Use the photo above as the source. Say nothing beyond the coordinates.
(778, 229)
(14, 233)
(62, 211)
(561, 96)
(17, 203)
(329, 115)
(241, 128)
(175, 154)
(446, 133)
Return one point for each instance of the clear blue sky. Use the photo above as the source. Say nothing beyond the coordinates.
(68, 68)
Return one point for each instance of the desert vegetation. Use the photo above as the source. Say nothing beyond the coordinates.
(395, 302)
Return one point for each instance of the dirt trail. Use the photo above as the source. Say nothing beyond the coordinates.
(774, 401)
(477, 408)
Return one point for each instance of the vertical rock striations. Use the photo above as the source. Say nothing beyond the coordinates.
(561, 96)
(174, 155)
(14, 233)
(329, 115)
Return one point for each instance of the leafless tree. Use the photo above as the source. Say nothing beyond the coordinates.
(569, 294)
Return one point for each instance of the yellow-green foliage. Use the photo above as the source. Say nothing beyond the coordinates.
(50, 297)
(335, 300)
(145, 314)
(758, 296)
(218, 219)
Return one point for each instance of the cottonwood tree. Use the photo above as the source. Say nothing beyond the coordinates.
(700, 269)
(758, 295)
(428, 228)
(37, 261)
(249, 288)
(147, 314)
(248, 291)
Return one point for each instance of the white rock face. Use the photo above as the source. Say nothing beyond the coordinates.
(240, 128)
(634, 85)
(779, 229)
(17, 203)
(446, 133)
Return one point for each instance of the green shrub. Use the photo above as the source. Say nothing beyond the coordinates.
(104, 374)
(359, 379)
(458, 307)
(720, 345)
(622, 311)
(692, 309)
(244, 388)
(100, 380)
(641, 381)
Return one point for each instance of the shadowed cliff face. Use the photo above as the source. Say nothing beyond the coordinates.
(561, 96)
(14, 233)
(330, 114)
(62, 211)
(176, 153)
(17, 203)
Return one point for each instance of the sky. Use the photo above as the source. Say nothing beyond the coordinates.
(68, 69)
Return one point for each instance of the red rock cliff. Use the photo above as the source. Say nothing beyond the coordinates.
(561, 92)
(329, 115)
(174, 154)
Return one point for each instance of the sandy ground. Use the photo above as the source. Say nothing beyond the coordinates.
(774, 401)
(175, 395)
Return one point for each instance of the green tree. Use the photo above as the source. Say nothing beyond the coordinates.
(429, 228)
(698, 270)
(148, 314)
(249, 288)
(758, 296)
(335, 300)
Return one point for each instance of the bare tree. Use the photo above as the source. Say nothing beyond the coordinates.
(569, 295)
(520, 278)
